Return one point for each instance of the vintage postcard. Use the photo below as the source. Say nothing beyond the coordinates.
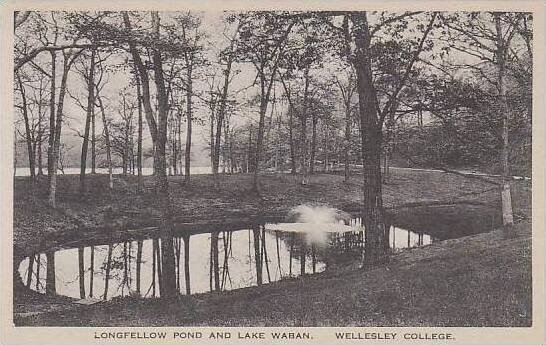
(272, 173)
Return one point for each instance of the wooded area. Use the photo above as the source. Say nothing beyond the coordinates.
(274, 92)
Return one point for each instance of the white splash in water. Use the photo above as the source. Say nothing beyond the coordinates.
(318, 214)
(316, 221)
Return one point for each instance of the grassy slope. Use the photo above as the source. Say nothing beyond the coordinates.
(35, 223)
(483, 280)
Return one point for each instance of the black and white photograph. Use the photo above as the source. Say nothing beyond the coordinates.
(242, 168)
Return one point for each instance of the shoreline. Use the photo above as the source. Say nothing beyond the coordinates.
(456, 194)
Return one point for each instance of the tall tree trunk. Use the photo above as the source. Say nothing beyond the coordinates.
(265, 257)
(108, 145)
(168, 279)
(144, 82)
(266, 85)
(291, 141)
(215, 265)
(211, 140)
(250, 151)
(93, 143)
(138, 265)
(38, 266)
(51, 285)
(347, 141)
(28, 134)
(139, 137)
(389, 142)
(303, 119)
(326, 146)
(51, 139)
(257, 255)
(39, 150)
(259, 145)
(506, 197)
(107, 272)
(187, 263)
(89, 114)
(220, 120)
(125, 155)
(313, 144)
(30, 270)
(158, 260)
(376, 235)
(81, 272)
(189, 121)
(303, 252)
(125, 281)
(91, 270)
(58, 127)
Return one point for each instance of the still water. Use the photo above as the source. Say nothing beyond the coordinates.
(243, 258)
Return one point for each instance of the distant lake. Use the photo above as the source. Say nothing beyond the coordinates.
(25, 171)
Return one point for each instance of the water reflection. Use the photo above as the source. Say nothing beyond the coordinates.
(215, 261)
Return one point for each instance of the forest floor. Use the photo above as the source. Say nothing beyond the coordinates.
(453, 282)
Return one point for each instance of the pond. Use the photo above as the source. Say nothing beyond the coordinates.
(247, 257)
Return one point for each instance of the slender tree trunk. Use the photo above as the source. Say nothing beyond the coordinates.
(93, 142)
(157, 252)
(265, 256)
(51, 285)
(108, 145)
(145, 84)
(313, 144)
(125, 269)
(138, 265)
(291, 253)
(51, 117)
(303, 118)
(154, 265)
(28, 134)
(107, 272)
(189, 121)
(326, 145)
(389, 142)
(291, 141)
(257, 255)
(91, 270)
(38, 264)
(250, 152)
(313, 258)
(212, 143)
(347, 141)
(303, 251)
(89, 114)
(220, 119)
(30, 270)
(39, 151)
(139, 138)
(58, 127)
(125, 155)
(215, 264)
(187, 263)
(81, 274)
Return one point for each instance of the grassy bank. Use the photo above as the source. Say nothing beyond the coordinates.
(36, 224)
(483, 279)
